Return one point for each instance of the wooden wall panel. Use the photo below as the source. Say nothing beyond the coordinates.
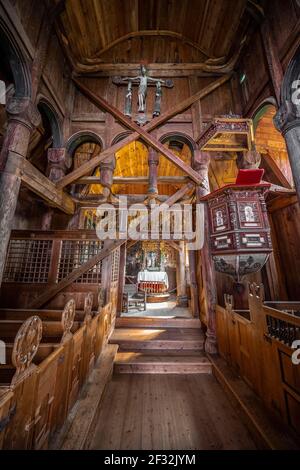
(283, 17)
(219, 102)
(54, 71)
(83, 105)
(254, 65)
(31, 16)
(287, 224)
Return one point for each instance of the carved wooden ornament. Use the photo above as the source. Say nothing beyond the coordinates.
(26, 344)
(67, 319)
(88, 305)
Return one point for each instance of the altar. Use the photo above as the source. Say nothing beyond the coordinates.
(155, 284)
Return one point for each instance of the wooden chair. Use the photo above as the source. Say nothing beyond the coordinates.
(133, 298)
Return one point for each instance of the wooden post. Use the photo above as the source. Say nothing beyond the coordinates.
(23, 116)
(106, 175)
(194, 283)
(57, 167)
(122, 272)
(182, 300)
(201, 165)
(153, 161)
(106, 272)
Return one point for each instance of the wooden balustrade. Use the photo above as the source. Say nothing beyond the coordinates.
(258, 344)
(37, 260)
(49, 358)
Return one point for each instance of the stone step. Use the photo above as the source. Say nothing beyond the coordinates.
(128, 362)
(157, 322)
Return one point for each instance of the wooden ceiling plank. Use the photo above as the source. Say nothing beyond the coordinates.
(176, 109)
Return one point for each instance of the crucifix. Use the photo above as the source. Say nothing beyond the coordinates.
(143, 81)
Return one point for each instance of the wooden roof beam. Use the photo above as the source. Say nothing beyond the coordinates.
(93, 163)
(39, 184)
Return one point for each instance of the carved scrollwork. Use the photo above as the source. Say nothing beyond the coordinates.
(26, 344)
(88, 305)
(67, 319)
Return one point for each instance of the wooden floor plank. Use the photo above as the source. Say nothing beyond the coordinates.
(168, 412)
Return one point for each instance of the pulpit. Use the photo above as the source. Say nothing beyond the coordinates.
(240, 239)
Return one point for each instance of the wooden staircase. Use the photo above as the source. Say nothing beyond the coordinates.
(159, 346)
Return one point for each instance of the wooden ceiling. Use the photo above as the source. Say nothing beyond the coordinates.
(116, 30)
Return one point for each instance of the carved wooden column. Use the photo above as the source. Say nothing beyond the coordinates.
(153, 160)
(122, 272)
(106, 175)
(287, 121)
(201, 165)
(182, 300)
(58, 163)
(23, 116)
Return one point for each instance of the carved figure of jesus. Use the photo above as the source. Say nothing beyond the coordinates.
(142, 90)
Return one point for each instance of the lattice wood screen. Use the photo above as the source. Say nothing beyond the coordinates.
(28, 261)
(115, 265)
(76, 252)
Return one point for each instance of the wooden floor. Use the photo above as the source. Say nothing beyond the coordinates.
(144, 411)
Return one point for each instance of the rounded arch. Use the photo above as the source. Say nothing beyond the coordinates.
(119, 137)
(179, 137)
(263, 107)
(82, 137)
(292, 74)
(13, 53)
(46, 108)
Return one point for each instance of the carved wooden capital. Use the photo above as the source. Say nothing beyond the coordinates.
(201, 161)
(23, 111)
(58, 163)
(287, 117)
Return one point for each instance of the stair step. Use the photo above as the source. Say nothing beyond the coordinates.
(158, 338)
(156, 322)
(140, 363)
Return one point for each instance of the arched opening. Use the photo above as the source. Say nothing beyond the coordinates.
(271, 144)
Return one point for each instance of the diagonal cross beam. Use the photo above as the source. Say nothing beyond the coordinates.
(156, 144)
(93, 163)
(53, 290)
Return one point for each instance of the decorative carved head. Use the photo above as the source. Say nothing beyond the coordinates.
(26, 344)
(67, 319)
(256, 291)
(228, 299)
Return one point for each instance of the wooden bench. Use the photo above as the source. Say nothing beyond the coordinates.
(132, 297)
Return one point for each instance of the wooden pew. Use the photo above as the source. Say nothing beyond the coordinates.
(35, 396)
